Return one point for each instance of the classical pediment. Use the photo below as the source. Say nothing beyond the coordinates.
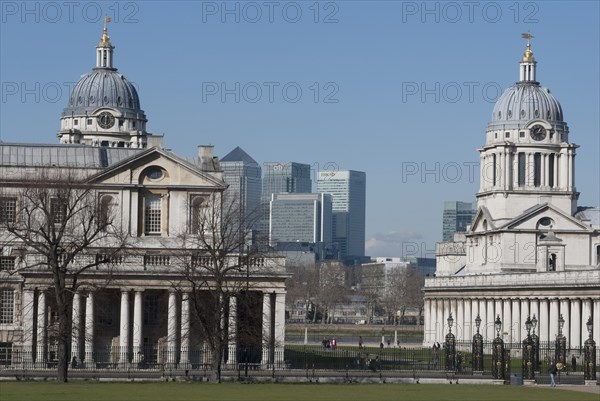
(143, 168)
(545, 217)
(482, 215)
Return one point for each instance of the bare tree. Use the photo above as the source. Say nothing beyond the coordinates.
(404, 290)
(217, 268)
(62, 229)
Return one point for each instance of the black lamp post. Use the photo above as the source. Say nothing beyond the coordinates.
(536, 345)
(528, 354)
(590, 353)
(498, 352)
(450, 347)
(560, 346)
(477, 362)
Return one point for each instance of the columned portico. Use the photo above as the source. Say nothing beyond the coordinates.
(575, 337)
(279, 326)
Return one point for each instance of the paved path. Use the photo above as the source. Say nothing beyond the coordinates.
(585, 389)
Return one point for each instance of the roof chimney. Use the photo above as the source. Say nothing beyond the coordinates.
(205, 154)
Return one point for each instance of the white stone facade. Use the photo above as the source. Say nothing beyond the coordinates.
(529, 250)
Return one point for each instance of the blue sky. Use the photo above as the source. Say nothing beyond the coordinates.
(386, 86)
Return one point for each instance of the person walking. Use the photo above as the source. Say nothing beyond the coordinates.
(552, 369)
(360, 342)
(573, 362)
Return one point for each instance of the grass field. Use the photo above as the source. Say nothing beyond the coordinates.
(88, 391)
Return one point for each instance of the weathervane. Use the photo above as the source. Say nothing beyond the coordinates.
(528, 55)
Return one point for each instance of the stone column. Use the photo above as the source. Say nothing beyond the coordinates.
(41, 330)
(489, 327)
(460, 320)
(586, 312)
(553, 319)
(279, 326)
(172, 329)
(185, 329)
(515, 324)
(564, 311)
(266, 328)
(89, 330)
(525, 312)
(507, 320)
(427, 328)
(534, 310)
(467, 320)
(438, 316)
(232, 331)
(483, 317)
(76, 327)
(575, 335)
(447, 311)
(596, 333)
(544, 321)
(138, 324)
(28, 316)
(124, 330)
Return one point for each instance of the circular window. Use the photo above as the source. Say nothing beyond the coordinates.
(522, 113)
(499, 115)
(537, 113)
(545, 221)
(509, 113)
(154, 173)
(119, 100)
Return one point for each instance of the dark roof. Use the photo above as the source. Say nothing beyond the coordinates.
(238, 155)
(61, 155)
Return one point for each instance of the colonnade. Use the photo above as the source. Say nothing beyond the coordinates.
(513, 312)
(131, 330)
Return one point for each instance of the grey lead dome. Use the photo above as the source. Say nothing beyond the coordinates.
(523, 103)
(103, 87)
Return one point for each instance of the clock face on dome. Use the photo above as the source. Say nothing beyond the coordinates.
(538, 133)
(106, 120)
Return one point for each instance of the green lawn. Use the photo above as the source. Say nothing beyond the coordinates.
(88, 391)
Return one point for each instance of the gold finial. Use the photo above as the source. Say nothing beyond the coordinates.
(528, 55)
(105, 37)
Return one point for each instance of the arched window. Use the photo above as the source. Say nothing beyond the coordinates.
(521, 169)
(552, 262)
(105, 212)
(197, 206)
(598, 255)
(537, 169)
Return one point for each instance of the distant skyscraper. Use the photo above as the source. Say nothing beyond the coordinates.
(457, 216)
(279, 178)
(300, 218)
(348, 195)
(243, 175)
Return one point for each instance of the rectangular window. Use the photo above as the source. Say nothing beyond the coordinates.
(507, 134)
(76, 122)
(522, 134)
(537, 169)
(152, 214)
(7, 305)
(197, 204)
(521, 169)
(7, 263)
(58, 211)
(89, 121)
(8, 210)
(5, 354)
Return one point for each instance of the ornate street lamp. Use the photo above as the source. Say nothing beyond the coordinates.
(560, 345)
(590, 353)
(536, 345)
(477, 348)
(528, 354)
(450, 347)
(498, 352)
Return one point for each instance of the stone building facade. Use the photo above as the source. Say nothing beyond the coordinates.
(530, 250)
